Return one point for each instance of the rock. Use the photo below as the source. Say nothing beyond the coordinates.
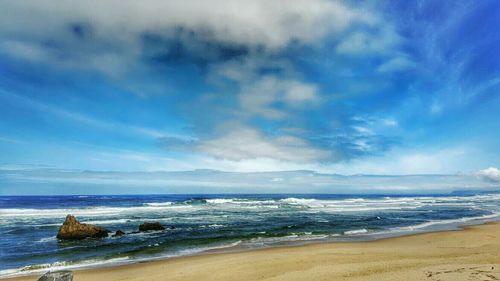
(74, 230)
(118, 233)
(63, 275)
(150, 226)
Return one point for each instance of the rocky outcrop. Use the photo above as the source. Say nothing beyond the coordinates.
(146, 226)
(118, 233)
(63, 275)
(74, 230)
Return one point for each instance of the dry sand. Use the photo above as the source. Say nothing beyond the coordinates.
(472, 254)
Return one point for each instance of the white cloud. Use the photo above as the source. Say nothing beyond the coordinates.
(295, 92)
(38, 30)
(390, 122)
(270, 23)
(362, 130)
(396, 64)
(368, 42)
(238, 142)
(24, 50)
(403, 161)
(258, 97)
(118, 25)
(491, 174)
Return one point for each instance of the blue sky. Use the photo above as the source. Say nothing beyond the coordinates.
(349, 87)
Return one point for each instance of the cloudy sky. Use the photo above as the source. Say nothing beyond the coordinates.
(349, 87)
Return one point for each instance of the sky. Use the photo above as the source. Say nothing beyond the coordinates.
(336, 87)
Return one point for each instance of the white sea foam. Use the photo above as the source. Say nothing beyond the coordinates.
(428, 224)
(87, 212)
(215, 225)
(356, 231)
(217, 214)
(91, 263)
(110, 222)
(47, 239)
(61, 266)
(301, 201)
(228, 202)
(295, 237)
(215, 247)
(220, 201)
(159, 204)
(387, 203)
(314, 205)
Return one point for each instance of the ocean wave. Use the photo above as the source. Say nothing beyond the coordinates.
(348, 205)
(212, 226)
(85, 212)
(102, 222)
(195, 201)
(62, 265)
(47, 239)
(214, 201)
(428, 224)
(301, 201)
(95, 211)
(293, 237)
(228, 215)
(94, 263)
(114, 221)
(221, 201)
(242, 202)
(208, 248)
(387, 203)
(314, 205)
(356, 231)
(159, 204)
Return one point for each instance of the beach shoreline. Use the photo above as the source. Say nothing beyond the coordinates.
(198, 224)
(456, 255)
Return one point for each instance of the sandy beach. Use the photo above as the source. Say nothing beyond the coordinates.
(471, 254)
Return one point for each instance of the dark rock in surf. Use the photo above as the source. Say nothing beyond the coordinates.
(63, 275)
(118, 233)
(146, 226)
(72, 229)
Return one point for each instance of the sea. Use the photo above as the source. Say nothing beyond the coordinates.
(198, 224)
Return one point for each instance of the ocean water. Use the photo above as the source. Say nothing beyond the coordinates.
(199, 223)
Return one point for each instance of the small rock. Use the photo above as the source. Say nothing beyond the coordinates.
(118, 233)
(63, 275)
(150, 226)
(72, 229)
